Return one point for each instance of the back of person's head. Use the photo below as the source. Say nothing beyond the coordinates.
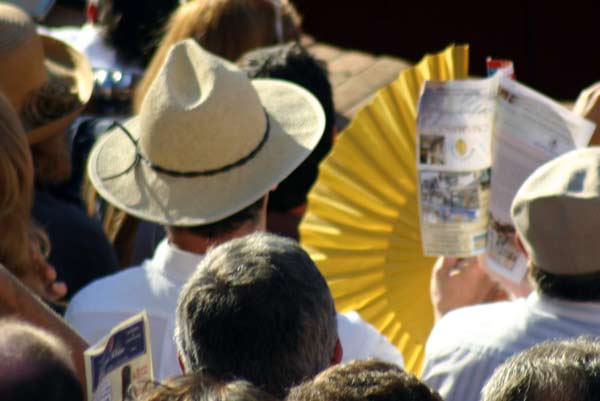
(251, 216)
(370, 380)
(201, 387)
(133, 28)
(35, 365)
(257, 309)
(567, 370)
(227, 28)
(291, 62)
(16, 193)
(556, 217)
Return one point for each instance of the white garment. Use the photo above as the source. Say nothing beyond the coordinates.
(88, 40)
(360, 340)
(155, 287)
(467, 344)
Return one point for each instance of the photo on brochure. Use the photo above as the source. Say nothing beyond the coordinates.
(451, 197)
(478, 140)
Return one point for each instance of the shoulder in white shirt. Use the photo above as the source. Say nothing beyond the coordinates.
(155, 287)
(468, 344)
(360, 340)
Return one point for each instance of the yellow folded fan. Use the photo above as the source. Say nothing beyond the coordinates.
(362, 222)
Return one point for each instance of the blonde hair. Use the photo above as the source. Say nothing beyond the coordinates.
(16, 195)
(199, 386)
(227, 28)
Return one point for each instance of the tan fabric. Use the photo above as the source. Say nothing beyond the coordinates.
(202, 113)
(557, 213)
(29, 60)
(38, 9)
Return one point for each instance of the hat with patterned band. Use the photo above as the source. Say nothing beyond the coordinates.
(29, 64)
(207, 142)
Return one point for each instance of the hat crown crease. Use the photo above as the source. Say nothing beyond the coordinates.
(200, 113)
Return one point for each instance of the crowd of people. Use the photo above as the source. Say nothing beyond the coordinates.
(158, 158)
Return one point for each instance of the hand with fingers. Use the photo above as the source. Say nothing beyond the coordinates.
(41, 279)
(588, 105)
(458, 282)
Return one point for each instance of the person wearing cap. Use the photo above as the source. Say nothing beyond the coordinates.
(200, 158)
(556, 216)
(48, 84)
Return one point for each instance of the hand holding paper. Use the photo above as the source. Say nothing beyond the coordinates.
(457, 282)
(588, 106)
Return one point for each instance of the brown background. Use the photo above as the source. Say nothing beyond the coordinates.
(555, 44)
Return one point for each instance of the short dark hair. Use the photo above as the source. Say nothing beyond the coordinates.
(229, 224)
(566, 370)
(371, 380)
(38, 365)
(291, 62)
(199, 386)
(133, 28)
(257, 309)
(580, 287)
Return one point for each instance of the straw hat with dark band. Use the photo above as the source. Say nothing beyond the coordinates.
(206, 143)
(28, 61)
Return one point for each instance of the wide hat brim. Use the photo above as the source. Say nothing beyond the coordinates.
(296, 122)
(64, 63)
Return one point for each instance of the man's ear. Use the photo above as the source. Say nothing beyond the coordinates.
(181, 365)
(520, 245)
(338, 353)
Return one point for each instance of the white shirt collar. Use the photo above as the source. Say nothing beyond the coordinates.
(580, 311)
(173, 263)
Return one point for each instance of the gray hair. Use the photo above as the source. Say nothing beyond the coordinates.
(565, 370)
(257, 308)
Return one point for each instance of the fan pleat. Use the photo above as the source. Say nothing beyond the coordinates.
(362, 223)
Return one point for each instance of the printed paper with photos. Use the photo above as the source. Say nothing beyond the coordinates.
(466, 127)
(454, 126)
(121, 363)
(530, 129)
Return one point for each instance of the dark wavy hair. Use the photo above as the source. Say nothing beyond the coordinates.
(580, 287)
(369, 380)
(291, 62)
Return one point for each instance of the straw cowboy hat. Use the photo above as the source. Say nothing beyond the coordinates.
(207, 142)
(28, 61)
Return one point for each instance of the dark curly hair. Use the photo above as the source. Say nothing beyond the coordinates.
(291, 62)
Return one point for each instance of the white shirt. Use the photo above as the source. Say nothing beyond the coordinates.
(360, 340)
(467, 344)
(155, 287)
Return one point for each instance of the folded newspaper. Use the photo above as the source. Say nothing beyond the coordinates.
(119, 361)
(478, 140)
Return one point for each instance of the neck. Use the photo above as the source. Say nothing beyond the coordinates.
(189, 242)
